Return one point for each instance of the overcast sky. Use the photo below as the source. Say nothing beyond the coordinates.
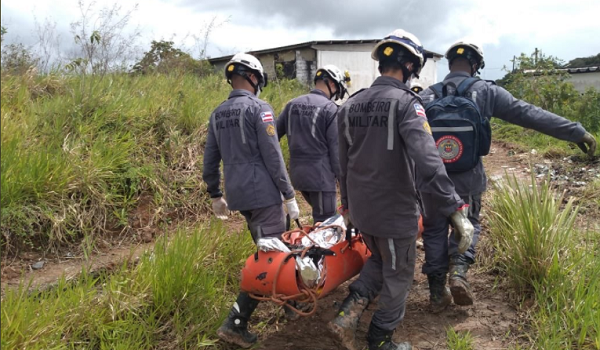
(505, 28)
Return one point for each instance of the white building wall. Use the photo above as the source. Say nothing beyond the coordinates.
(356, 58)
(428, 74)
(362, 68)
(582, 81)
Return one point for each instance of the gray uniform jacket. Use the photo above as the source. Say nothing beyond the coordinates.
(242, 133)
(310, 123)
(384, 136)
(497, 102)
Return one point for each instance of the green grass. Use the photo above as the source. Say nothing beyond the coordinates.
(458, 340)
(546, 259)
(79, 151)
(175, 297)
(531, 230)
(526, 139)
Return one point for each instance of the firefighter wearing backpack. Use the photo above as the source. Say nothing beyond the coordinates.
(310, 123)
(384, 144)
(459, 110)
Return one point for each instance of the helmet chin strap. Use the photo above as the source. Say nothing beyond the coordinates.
(254, 86)
(332, 94)
(406, 74)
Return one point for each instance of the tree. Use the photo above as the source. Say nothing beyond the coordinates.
(16, 58)
(584, 62)
(538, 80)
(164, 58)
(48, 45)
(102, 42)
(202, 39)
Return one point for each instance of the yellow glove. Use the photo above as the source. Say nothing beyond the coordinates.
(589, 141)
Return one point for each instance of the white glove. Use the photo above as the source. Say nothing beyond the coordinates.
(220, 208)
(463, 229)
(291, 208)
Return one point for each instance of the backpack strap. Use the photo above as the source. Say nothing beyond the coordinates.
(465, 85)
(358, 92)
(445, 88)
(437, 90)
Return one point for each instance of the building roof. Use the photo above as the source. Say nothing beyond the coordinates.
(583, 69)
(308, 44)
(590, 69)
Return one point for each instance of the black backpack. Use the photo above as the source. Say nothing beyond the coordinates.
(461, 134)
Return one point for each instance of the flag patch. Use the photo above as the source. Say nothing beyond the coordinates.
(420, 110)
(266, 117)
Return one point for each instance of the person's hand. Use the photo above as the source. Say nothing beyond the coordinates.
(220, 208)
(463, 229)
(589, 141)
(345, 213)
(291, 207)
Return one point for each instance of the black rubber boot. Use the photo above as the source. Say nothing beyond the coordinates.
(439, 294)
(343, 326)
(459, 287)
(381, 339)
(234, 329)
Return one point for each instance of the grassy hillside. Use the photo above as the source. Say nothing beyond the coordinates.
(78, 152)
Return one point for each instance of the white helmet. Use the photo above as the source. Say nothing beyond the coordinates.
(404, 39)
(468, 50)
(241, 63)
(416, 87)
(342, 80)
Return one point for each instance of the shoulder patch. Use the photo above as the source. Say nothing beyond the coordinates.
(415, 94)
(427, 127)
(267, 117)
(270, 130)
(420, 110)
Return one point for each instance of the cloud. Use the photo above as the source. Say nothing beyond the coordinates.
(506, 28)
(428, 20)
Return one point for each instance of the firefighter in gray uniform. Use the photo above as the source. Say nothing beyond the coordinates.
(384, 143)
(310, 123)
(242, 134)
(441, 254)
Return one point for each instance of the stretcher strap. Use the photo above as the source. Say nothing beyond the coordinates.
(306, 295)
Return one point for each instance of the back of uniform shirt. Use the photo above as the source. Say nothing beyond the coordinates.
(242, 134)
(309, 122)
(379, 177)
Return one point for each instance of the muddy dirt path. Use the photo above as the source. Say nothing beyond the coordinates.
(491, 320)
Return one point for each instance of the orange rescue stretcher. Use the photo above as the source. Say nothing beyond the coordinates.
(273, 276)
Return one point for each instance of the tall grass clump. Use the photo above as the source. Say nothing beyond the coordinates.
(79, 152)
(546, 259)
(531, 230)
(174, 298)
(459, 340)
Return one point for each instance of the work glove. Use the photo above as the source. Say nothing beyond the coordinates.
(345, 213)
(463, 229)
(291, 208)
(220, 208)
(589, 141)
